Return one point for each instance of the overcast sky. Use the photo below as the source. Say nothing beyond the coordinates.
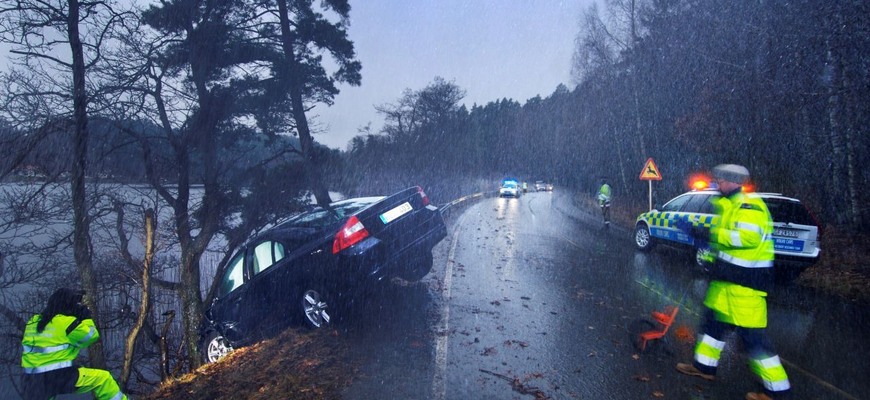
(492, 49)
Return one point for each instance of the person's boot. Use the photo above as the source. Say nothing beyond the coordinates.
(690, 370)
(757, 396)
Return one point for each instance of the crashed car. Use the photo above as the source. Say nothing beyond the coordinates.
(301, 269)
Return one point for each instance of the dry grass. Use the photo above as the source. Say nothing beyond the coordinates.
(293, 365)
(843, 269)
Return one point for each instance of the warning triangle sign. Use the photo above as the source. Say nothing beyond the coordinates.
(650, 172)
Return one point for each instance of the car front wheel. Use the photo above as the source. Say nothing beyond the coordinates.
(642, 238)
(215, 347)
(315, 309)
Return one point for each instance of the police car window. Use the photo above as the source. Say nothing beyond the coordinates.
(234, 277)
(698, 204)
(675, 204)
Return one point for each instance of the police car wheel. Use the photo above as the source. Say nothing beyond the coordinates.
(702, 257)
(215, 347)
(642, 238)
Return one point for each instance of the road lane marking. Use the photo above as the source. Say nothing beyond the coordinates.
(439, 380)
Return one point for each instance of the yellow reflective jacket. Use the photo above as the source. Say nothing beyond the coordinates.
(744, 270)
(57, 345)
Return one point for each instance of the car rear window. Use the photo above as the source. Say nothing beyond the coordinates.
(320, 217)
(787, 211)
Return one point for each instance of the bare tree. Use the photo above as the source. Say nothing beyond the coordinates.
(56, 44)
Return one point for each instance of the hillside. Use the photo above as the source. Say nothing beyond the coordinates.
(297, 364)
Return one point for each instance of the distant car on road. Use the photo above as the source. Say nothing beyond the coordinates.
(298, 270)
(795, 230)
(540, 186)
(510, 188)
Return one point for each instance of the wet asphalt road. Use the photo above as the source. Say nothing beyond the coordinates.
(534, 297)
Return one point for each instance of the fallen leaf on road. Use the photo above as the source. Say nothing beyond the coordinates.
(635, 356)
(658, 394)
(641, 378)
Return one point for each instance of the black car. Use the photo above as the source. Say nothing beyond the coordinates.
(298, 270)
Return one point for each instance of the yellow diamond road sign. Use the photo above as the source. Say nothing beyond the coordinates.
(650, 172)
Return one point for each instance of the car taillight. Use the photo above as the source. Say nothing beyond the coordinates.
(351, 233)
(423, 196)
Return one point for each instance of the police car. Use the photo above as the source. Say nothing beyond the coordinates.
(510, 188)
(795, 229)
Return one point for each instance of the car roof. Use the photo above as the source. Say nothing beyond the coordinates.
(763, 195)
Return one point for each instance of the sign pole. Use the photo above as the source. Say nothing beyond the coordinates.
(650, 194)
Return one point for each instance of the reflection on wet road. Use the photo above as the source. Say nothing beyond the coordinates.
(533, 297)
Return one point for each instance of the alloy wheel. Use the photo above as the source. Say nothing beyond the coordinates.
(315, 308)
(642, 237)
(217, 348)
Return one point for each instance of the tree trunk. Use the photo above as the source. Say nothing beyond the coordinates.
(81, 220)
(145, 305)
(298, 109)
(839, 189)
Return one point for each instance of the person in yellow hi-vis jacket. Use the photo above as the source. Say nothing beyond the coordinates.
(52, 340)
(742, 275)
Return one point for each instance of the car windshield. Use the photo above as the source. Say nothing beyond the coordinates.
(510, 185)
(320, 217)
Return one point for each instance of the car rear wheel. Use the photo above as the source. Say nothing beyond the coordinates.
(420, 268)
(315, 308)
(642, 238)
(215, 347)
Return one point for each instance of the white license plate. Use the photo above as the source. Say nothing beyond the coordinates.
(397, 212)
(785, 233)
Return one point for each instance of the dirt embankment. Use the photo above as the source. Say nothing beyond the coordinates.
(297, 364)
